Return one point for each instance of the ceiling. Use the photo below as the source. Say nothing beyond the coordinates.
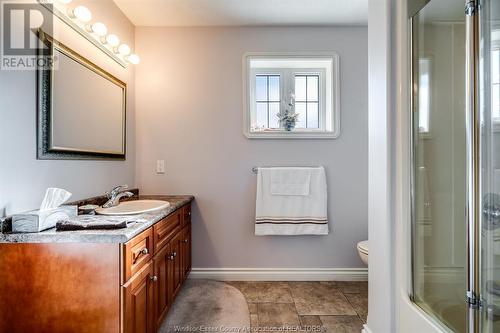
(244, 12)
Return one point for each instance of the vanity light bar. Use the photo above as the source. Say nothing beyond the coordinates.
(82, 16)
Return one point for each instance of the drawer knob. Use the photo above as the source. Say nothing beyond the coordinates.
(137, 255)
(174, 254)
(154, 278)
(185, 241)
(171, 257)
(189, 213)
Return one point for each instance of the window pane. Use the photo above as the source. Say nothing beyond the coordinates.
(300, 108)
(300, 88)
(312, 88)
(312, 115)
(261, 116)
(261, 88)
(274, 88)
(274, 109)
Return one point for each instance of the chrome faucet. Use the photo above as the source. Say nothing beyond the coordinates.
(115, 195)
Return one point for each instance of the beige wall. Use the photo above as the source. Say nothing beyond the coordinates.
(23, 179)
(189, 113)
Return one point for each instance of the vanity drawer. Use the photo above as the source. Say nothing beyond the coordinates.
(186, 211)
(136, 253)
(164, 230)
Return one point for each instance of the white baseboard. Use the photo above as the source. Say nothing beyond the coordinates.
(281, 274)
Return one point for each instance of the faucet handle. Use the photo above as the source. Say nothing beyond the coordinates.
(116, 190)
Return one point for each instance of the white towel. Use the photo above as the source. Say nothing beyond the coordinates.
(290, 181)
(291, 201)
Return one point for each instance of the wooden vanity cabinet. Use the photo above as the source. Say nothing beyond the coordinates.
(148, 295)
(96, 287)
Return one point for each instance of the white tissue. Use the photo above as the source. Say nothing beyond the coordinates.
(54, 197)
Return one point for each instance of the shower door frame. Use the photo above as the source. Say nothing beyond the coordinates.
(473, 158)
(473, 153)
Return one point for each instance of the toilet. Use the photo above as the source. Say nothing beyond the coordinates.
(363, 251)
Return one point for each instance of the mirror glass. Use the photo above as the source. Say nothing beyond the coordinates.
(82, 108)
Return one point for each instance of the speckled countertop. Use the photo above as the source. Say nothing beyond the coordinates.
(140, 223)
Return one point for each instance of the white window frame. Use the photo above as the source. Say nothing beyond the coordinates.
(329, 109)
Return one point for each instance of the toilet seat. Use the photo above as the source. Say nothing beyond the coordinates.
(363, 247)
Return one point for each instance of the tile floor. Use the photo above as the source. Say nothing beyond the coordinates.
(334, 307)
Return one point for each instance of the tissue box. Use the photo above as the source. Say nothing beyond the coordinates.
(36, 221)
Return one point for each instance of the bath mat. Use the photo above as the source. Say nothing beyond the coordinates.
(207, 306)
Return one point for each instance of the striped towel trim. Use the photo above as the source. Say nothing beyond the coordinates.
(291, 220)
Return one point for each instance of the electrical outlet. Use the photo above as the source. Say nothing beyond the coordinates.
(160, 166)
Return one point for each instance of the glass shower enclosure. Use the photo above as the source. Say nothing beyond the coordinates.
(455, 185)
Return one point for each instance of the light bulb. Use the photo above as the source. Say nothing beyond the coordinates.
(99, 29)
(133, 59)
(82, 13)
(113, 40)
(124, 49)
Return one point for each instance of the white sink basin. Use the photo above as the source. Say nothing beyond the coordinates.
(134, 207)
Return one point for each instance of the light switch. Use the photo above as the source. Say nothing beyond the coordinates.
(160, 166)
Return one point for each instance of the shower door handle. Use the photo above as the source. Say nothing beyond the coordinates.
(491, 211)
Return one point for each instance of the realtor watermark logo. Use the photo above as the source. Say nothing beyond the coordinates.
(20, 48)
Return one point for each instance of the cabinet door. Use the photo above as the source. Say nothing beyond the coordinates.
(186, 212)
(176, 245)
(138, 302)
(183, 253)
(186, 250)
(162, 263)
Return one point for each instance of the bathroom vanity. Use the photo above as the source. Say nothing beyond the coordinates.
(122, 280)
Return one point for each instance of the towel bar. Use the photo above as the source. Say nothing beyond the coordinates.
(255, 169)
